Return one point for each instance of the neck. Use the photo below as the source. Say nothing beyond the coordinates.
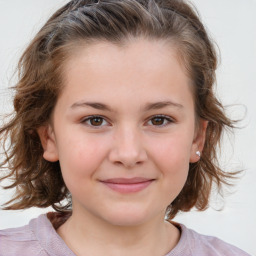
(87, 235)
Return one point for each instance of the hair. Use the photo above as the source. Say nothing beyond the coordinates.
(38, 182)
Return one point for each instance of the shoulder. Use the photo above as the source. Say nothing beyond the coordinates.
(209, 245)
(38, 238)
(19, 241)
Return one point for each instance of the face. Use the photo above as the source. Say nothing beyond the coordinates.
(123, 130)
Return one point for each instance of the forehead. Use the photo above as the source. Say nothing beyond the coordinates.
(140, 66)
(143, 54)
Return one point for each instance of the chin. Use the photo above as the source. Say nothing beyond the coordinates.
(127, 218)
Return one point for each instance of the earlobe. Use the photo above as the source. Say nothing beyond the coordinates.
(198, 143)
(48, 142)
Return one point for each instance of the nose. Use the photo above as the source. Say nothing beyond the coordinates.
(127, 148)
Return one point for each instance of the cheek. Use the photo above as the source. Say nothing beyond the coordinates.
(173, 150)
(81, 156)
(171, 157)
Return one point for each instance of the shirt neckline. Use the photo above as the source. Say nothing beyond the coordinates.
(45, 226)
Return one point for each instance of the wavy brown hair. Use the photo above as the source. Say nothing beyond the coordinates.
(39, 182)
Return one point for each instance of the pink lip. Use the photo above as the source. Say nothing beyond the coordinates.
(124, 185)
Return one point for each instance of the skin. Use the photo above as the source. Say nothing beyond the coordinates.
(127, 139)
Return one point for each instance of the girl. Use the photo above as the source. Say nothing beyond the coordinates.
(115, 127)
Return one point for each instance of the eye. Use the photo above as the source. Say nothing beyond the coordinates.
(95, 121)
(160, 120)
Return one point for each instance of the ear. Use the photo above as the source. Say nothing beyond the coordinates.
(48, 142)
(199, 140)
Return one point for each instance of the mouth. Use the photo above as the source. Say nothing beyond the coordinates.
(123, 185)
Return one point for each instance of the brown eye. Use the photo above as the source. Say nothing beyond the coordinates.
(96, 121)
(158, 120)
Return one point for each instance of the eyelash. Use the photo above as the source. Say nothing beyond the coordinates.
(90, 118)
(167, 120)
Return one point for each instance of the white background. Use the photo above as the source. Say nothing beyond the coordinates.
(232, 23)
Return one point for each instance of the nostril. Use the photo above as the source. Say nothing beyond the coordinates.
(128, 152)
(127, 165)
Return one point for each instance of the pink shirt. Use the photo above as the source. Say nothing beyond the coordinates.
(39, 238)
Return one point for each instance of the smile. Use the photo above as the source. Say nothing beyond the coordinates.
(124, 186)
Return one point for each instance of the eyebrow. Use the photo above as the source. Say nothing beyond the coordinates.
(162, 104)
(96, 105)
(148, 106)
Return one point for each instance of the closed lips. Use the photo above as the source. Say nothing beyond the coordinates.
(124, 185)
(127, 181)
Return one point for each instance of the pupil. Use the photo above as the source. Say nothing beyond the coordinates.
(157, 121)
(96, 121)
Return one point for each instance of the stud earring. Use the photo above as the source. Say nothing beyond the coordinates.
(198, 153)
